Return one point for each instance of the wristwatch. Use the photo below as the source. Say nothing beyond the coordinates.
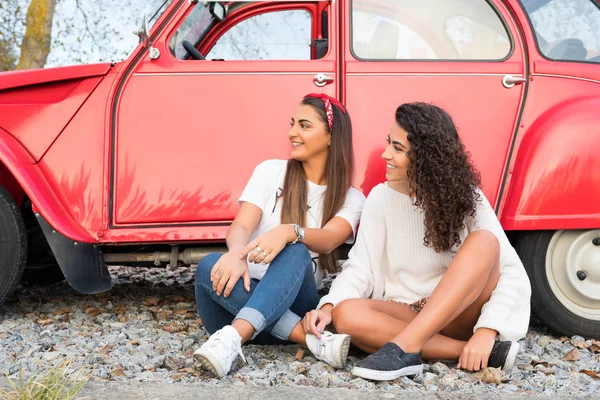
(299, 233)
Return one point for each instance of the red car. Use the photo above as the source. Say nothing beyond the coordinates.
(143, 160)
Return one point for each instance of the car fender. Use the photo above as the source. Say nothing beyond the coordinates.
(555, 182)
(27, 173)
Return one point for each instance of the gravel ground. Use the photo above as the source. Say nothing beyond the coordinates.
(146, 329)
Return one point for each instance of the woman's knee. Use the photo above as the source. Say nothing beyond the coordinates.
(205, 266)
(344, 316)
(484, 239)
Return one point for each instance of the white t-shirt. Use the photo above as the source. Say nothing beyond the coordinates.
(264, 190)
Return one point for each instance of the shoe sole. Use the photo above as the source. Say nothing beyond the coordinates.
(209, 364)
(341, 362)
(511, 357)
(375, 375)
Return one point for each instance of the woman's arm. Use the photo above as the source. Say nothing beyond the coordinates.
(357, 279)
(230, 266)
(242, 227)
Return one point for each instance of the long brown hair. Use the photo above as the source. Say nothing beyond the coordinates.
(338, 171)
(443, 179)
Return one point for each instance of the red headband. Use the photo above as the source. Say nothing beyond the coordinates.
(328, 109)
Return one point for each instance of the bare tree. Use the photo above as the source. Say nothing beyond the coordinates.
(38, 35)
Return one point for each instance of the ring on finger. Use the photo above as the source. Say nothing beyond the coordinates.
(264, 254)
(219, 272)
(259, 249)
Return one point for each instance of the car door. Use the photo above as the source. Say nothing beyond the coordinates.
(189, 132)
(463, 55)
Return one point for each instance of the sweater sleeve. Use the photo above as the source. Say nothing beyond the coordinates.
(508, 308)
(356, 279)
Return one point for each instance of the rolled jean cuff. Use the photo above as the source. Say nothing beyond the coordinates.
(254, 318)
(286, 324)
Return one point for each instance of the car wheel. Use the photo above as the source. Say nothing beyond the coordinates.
(41, 267)
(13, 244)
(564, 270)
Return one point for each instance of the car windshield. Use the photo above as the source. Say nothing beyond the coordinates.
(164, 4)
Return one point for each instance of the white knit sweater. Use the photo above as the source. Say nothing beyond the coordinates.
(390, 262)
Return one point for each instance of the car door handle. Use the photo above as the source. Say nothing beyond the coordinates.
(509, 81)
(321, 80)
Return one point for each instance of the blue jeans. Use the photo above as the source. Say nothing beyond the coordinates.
(274, 305)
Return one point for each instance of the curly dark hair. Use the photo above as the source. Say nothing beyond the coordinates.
(444, 181)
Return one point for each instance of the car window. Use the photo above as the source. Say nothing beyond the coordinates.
(428, 29)
(193, 29)
(567, 30)
(278, 35)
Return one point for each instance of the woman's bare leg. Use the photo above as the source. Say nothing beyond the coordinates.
(391, 319)
(464, 282)
(380, 321)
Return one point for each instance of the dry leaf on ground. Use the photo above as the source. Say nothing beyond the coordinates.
(151, 301)
(93, 311)
(573, 355)
(300, 354)
(590, 373)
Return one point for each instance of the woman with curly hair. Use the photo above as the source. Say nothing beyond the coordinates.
(432, 273)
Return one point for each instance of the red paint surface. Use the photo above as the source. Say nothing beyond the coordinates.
(187, 134)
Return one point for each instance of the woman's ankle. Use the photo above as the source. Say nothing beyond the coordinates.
(244, 328)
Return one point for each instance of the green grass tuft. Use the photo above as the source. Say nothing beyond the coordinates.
(53, 384)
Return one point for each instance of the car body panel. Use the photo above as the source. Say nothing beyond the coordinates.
(158, 151)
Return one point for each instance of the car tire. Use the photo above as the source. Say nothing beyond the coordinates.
(565, 279)
(13, 244)
(41, 267)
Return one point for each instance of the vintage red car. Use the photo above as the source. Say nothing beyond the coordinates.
(143, 160)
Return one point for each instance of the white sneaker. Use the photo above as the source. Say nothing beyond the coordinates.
(219, 352)
(332, 348)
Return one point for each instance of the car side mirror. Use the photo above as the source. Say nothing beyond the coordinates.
(218, 11)
(142, 31)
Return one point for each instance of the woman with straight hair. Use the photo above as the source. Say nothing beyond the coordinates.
(293, 216)
(432, 273)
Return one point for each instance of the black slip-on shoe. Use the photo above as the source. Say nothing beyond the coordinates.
(503, 355)
(389, 363)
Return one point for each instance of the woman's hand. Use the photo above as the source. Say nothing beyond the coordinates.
(476, 352)
(226, 273)
(265, 248)
(315, 321)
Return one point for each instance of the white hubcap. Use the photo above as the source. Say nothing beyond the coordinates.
(573, 271)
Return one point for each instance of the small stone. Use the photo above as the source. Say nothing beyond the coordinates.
(173, 364)
(537, 349)
(544, 340)
(490, 375)
(51, 356)
(448, 379)
(300, 368)
(301, 380)
(429, 378)
(440, 368)
(155, 363)
(360, 383)
(561, 373)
